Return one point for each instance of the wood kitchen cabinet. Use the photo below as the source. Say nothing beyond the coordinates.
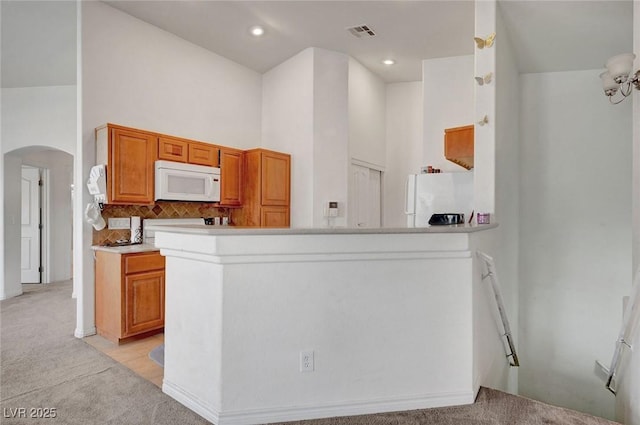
(231, 174)
(130, 155)
(188, 151)
(203, 154)
(129, 294)
(458, 145)
(267, 189)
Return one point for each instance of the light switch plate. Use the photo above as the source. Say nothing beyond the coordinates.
(119, 223)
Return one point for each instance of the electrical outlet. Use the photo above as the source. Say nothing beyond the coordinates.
(119, 223)
(306, 361)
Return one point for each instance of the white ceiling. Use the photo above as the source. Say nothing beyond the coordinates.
(38, 38)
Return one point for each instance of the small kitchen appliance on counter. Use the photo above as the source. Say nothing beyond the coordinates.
(446, 219)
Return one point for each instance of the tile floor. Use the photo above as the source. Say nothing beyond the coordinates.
(134, 355)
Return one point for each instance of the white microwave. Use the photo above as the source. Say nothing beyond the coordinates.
(176, 181)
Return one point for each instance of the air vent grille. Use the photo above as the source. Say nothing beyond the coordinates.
(361, 31)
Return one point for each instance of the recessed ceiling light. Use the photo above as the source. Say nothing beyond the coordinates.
(256, 30)
(388, 61)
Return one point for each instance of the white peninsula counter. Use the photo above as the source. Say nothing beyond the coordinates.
(266, 325)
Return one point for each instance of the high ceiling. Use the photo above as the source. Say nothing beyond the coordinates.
(39, 37)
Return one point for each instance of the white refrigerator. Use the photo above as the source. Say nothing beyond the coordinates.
(438, 193)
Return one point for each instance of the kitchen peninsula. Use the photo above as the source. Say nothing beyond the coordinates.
(266, 325)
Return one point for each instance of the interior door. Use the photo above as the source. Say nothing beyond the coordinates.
(364, 208)
(30, 246)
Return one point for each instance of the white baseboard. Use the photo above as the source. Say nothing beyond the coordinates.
(326, 410)
(81, 333)
(190, 401)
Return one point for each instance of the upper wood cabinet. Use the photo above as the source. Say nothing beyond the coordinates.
(231, 173)
(183, 150)
(458, 145)
(173, 149)
(203, 154)
(275, 178)
(130, 156)
(267, 189)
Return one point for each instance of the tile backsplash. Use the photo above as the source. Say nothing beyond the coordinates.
(159, 210)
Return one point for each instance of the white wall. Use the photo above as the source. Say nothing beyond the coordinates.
(403, 147)
(60, 166)
(287, 126)
(507, 168)
(306, 113)
(31, 116)
(628, 398)
(144, 77)
(12, 231)
(448, 102)
(138, 75)
(39, 116)
(331, 118)
(366, 115)
(575, 235)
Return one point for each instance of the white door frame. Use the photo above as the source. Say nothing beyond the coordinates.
(45, 235)
(45, 222)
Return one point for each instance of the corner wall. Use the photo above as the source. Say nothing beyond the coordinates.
(403, 145)
(366, 115)
(575, 235)
(287, 126)
(331, 134)
(628, 398)
(448, 101)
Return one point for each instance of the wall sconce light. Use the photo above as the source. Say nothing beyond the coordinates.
(484, 80)
(619, 77)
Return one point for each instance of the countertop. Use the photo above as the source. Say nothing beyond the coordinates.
(126, 249)
(236, 230)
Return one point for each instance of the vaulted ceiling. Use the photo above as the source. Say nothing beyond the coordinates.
(39, 37)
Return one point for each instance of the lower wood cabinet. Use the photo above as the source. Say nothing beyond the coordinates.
(271, 216)
(129, 294)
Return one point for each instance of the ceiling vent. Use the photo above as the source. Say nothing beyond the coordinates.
(361, 31)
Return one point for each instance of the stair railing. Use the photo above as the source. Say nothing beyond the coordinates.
(491, 273)
(626, 330)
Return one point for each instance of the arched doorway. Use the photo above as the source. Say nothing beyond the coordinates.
(38, 230)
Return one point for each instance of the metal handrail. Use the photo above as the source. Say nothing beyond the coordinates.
(624, 339)
(512, 356)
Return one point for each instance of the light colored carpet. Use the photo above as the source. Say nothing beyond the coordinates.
(44, 366)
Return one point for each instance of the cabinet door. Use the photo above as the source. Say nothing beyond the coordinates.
(203, 154)
(171, 149)
(275, 179)
(230, 177)
(144, 302)
(274, 216)
(131, 167)
(458, 145)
